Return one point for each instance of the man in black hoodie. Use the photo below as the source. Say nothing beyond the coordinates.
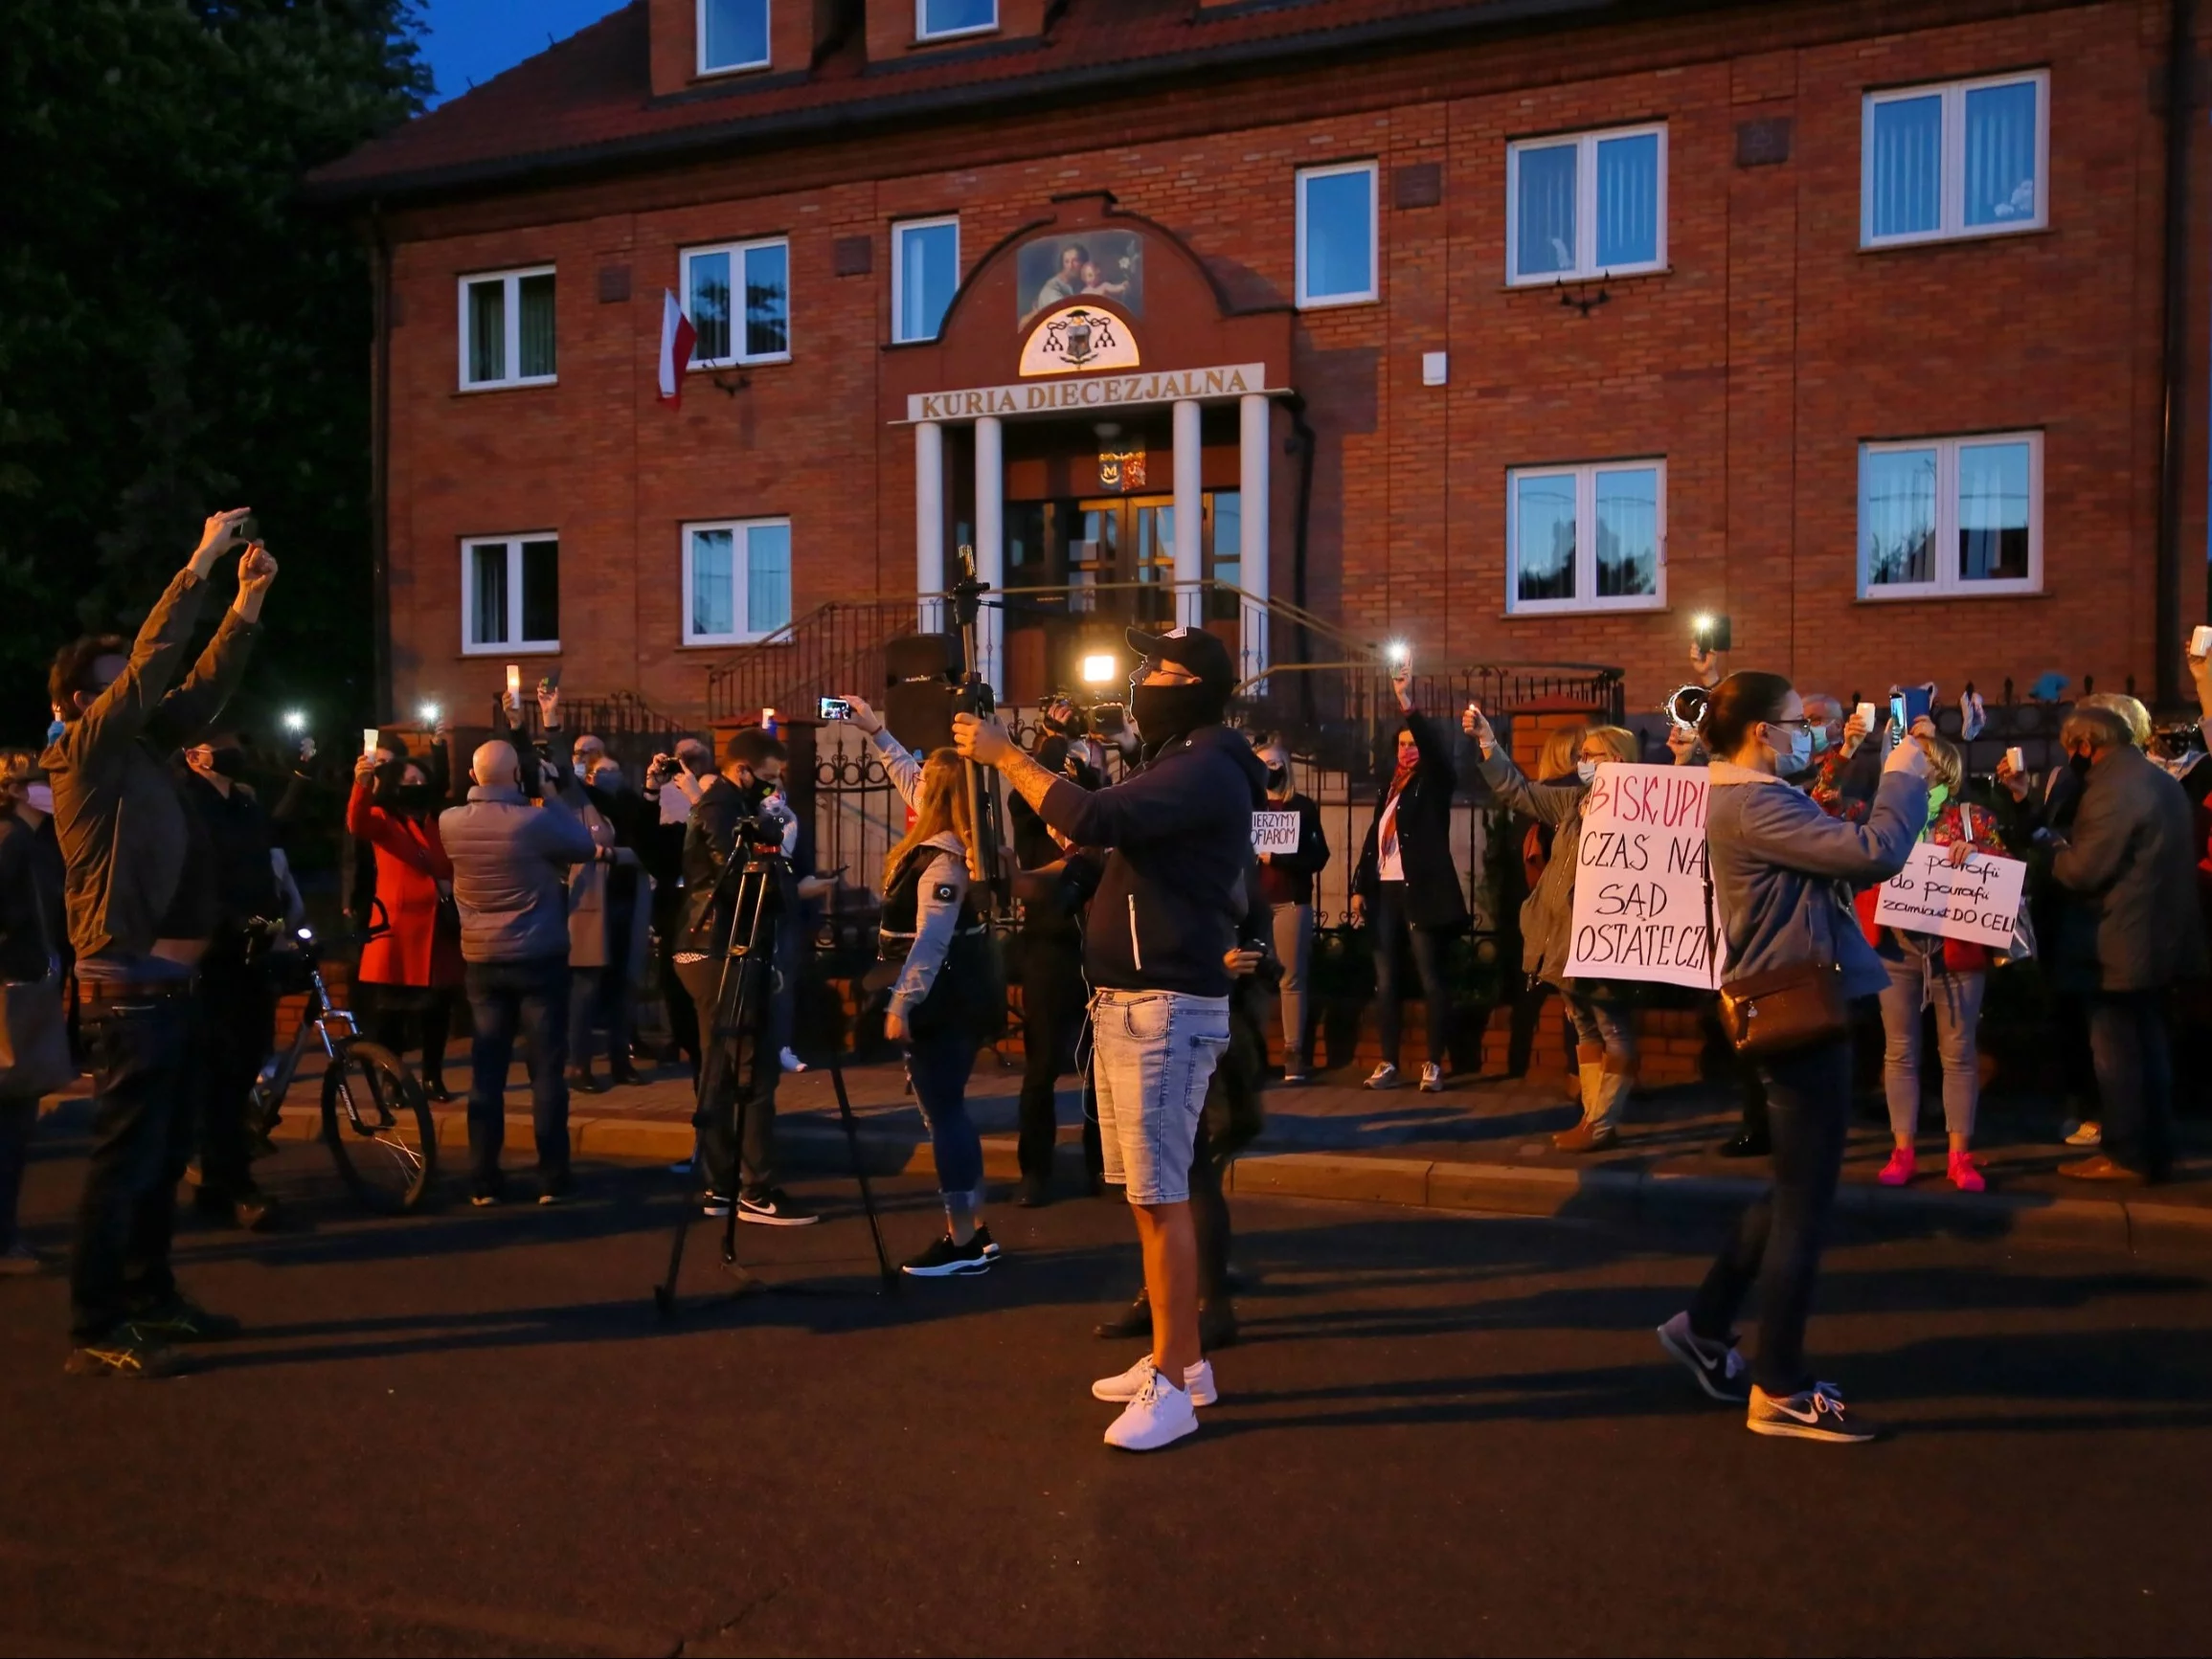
(1161, 927)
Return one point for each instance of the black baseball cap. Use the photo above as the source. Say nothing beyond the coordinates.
(1191, 649)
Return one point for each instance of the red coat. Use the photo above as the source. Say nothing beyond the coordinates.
(411, 949)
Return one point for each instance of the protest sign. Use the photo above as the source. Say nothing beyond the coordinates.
(1639, 880)
(1274, 832)
(1977, 901)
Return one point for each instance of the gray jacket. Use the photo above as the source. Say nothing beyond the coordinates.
(1784, 872)
(1547, 914)
(2132, 861)
(510, 864)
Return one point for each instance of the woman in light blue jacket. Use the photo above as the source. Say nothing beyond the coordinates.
(1783, 875)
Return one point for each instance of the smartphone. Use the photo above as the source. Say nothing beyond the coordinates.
(369, 735)
(836, 708)
(249, 530)
(1866, 712)
(1918, 702)
(2201, 643)
(428, 714)
(514, 679)
(551, 682)
(1712, 634)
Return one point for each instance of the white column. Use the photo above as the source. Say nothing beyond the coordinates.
(1189, 516)
(990, 546)
(1255, 442)
(929, 523)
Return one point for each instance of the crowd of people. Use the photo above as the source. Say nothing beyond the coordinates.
(544, 892)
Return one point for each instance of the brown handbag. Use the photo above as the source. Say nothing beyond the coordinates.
(1784, 1009)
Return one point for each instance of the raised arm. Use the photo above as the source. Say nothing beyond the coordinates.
(1548, 803)
(123, 712)
(1785, 828)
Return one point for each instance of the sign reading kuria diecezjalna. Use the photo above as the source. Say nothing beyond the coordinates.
(1092, 391)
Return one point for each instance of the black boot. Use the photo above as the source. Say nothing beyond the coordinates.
(1218, 1325)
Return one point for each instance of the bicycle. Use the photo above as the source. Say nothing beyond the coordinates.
(375, 1119)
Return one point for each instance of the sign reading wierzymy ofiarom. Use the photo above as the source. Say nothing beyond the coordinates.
(1640, 878)
(1274, 832)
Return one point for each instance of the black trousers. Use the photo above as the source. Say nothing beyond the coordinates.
(1209, 1219)
(1778, 1241)
(1052, 1003)
(234, 1028)
(401, 1015)
(1390, 931)
(753, 1060)
(2134, 1060)
(142, 1138)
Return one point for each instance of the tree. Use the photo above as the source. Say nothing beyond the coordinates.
(177, 334)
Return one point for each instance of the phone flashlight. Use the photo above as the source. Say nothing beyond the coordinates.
(1400, 653)
(428, 714)
(295, 721)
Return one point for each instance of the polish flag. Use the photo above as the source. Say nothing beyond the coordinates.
(676, 338)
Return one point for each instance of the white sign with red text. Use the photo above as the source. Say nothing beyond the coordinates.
(1640, 878)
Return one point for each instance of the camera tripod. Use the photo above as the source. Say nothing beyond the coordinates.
(738, 1044)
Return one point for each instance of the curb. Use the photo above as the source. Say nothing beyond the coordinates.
(2138, 1226)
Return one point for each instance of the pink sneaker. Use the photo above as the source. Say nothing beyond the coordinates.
(1898, 1168)
(1966, 1173)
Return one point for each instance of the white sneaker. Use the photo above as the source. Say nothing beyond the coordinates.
(1432, 1078)
(1127, 1386)
(1161, 1415)
(1720, 1370)
(2088, 1131)
(1384, 1076)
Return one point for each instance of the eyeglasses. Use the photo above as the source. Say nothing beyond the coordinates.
(1801, 722)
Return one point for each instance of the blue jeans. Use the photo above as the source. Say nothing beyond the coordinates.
(1152, 1054)
(503, 996)
(1778, 1241)
(142, 1138)
(939, 1064)
(2136, 1077)
(1602, 1017)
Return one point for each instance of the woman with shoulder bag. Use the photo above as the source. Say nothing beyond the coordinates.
(1927, 970)
(947, 990)
(34, 1041)
(1781, 875)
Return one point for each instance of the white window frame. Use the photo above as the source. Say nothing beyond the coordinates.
(1586, 475)
(511, 319)
(738, 357)
(1948, 584)
(1951, 185)
(898, 228)
(922, 31)
(767, 41)
(517, 646)
(1586, 265)
(740, 529)
(1373, 292)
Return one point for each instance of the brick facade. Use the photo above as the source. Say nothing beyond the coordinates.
(1755, 365)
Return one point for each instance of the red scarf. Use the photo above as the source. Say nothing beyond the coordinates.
(1401, 776)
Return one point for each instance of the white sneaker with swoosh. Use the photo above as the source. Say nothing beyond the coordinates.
(1720, 1370)
(1817, 1413)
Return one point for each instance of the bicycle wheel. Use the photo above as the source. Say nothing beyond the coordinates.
(379, 1127)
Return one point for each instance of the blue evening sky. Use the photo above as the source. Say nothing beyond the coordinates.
(474, 40)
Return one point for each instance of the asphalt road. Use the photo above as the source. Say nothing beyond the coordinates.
(467, 1433)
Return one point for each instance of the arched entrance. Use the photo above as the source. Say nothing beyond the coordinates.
(1098, 424)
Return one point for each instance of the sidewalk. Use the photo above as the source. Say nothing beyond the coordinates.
(1479, 1145)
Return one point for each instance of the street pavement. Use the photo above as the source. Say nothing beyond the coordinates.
(467, 1432)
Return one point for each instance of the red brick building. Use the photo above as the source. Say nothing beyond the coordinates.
(1522, 331)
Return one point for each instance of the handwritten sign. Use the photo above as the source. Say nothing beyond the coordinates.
(1977, 901)
(1274, 832)
(1640, 878)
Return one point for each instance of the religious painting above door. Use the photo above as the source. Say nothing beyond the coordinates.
(1062, 269)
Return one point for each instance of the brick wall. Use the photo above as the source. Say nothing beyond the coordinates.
(1755, 365)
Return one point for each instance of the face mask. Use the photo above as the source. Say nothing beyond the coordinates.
(1279, 780)
(413, 797)
(1164, 713)
(2081, 763)
(228, 761)
(1587, 770)
(54, 732)
(1819, 739)
(40, 796)
(1798, 755)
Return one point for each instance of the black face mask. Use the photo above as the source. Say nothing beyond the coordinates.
(412, 797)
(1167, 712)
(1278, 779)
(229, 761)
(2081, 763)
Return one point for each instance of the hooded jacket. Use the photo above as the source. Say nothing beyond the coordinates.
(1173, 888)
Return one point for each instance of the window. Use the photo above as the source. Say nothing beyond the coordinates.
(1950, 516)
(510, 594)
(1587, 206)
(925, 271)
(1587, 538)
(507, 328)
(732, 35)
(736, 581)
(752, 329)
(1964, 159)
(1336, 232)
(934, 20)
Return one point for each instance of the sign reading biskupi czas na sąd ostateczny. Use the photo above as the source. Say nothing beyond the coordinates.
(1640, 878)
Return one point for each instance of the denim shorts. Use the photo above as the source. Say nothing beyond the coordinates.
(1152, 1054)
